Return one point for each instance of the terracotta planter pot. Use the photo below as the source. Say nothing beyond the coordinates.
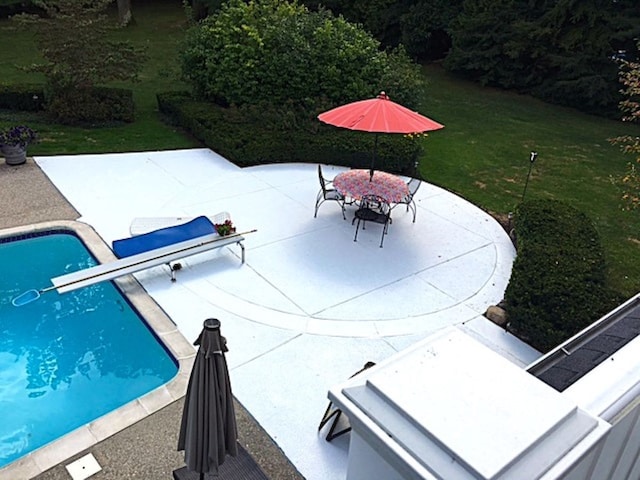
(14, 154)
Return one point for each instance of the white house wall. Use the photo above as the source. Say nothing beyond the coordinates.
(613, 447)
(628, 446)
(582, 470)
(611, 391)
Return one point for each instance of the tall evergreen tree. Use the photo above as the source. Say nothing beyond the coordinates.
(559, 50)
(381, 18)
(483, 42)
(580, 35)
(425, 27)
(421, 26)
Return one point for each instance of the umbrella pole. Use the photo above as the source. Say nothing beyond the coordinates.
(373, 160)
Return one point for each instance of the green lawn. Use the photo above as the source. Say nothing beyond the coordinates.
(482, 153)
(160, 27)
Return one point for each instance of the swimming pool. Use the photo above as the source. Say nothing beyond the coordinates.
(67, 360)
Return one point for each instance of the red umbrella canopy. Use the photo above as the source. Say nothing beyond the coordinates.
(379, 115)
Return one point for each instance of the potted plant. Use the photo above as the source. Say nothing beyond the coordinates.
(14, 141)
(225, 228)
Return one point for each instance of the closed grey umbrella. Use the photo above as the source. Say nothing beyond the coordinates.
(208, 430)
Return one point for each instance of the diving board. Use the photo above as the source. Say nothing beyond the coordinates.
(144, 251)
(145, 260)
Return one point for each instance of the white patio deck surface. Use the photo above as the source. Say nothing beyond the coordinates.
(310, 306)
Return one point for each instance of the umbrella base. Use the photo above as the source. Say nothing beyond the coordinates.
(242, 467)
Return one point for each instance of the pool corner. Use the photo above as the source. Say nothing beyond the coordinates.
(160, 325)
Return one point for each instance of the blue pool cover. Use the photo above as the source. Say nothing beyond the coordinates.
(163, 237)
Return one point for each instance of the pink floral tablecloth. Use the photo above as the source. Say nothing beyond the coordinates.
(355, 184)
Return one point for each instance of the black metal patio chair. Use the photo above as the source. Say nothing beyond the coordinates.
(327, 193)
(373, 209)
(413, 185)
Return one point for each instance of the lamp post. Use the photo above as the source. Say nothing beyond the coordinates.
(532, 159)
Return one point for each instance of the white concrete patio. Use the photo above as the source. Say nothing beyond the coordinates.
(310, 306)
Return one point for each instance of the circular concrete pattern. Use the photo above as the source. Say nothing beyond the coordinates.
(303, 273)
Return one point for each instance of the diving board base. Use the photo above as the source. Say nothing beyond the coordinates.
(143, 261)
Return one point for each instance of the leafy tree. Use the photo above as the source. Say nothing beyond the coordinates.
(74, 40)
(283, 54)
(630, 107)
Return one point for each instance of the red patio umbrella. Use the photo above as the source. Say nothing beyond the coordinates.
(378, 115)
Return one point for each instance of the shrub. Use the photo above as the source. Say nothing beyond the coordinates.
(26, 98)
(255, 134)
(276, 65)
(557, 284)
(280, 53)
(96, 105)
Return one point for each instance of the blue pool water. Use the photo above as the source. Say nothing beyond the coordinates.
(67, 359)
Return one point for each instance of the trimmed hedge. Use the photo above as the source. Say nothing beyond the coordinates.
(557, 285)
(257, 134)
(96, 105)
(26, 98)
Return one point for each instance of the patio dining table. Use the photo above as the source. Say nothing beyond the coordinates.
(356, 183)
